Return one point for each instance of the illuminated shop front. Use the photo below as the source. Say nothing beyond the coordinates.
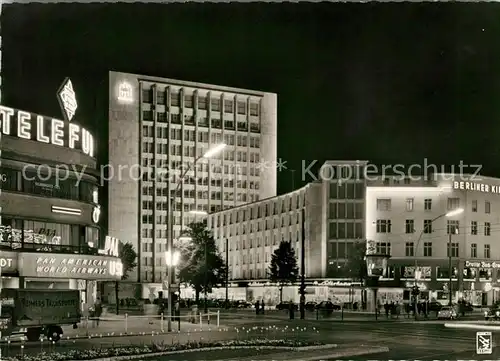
(50, 235)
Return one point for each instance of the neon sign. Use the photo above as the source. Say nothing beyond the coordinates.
(125, 93)
(111, 245)
(96, 213)
(67, 99)
(25, 125)
(478, 187)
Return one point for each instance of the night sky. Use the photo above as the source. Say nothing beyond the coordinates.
(389, 83)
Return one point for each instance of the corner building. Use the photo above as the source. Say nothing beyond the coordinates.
(400, 211)
(164, 124)
(50, 234)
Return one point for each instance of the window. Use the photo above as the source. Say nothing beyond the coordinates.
(453, 203)
(487, 251)
(487, 207)
(202, 102)
(383, 226)
(427, 249)
(228, 106)
(410, 249)
(409, 226)
(473, 250)
(428, 204)
(454, 250)
(384, 248)
(487, 228)
(474, 206)
(188, 101)
(242, 108)
(473, 227)
(174, 99)
(215, 104)
(383, 204)
(254, 109)
(452, 226)
(409, 204)
(427, 226)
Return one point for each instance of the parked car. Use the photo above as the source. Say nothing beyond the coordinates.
(328, 305)
(310, 306)
(492, 314)
(435, 306)
(447, 313)
(286, 306)
(244, 304)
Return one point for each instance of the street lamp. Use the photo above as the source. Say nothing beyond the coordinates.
(419, 273)
(170, 239)
(172, 260)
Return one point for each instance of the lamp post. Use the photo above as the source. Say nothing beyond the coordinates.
(170, 239)
(418, 272)
(171, 260)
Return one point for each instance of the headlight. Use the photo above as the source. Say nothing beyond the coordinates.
(497, 313)
(485, 313)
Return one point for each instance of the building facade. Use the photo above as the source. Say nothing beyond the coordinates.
(49, 234)
(159, 128)
(401, 216)
(407, 220)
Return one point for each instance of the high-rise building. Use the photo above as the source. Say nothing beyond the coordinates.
(159, 128)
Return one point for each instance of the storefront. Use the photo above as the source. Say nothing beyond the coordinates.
(474, 281)
(59, 271)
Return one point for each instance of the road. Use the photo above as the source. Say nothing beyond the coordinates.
(405, 338)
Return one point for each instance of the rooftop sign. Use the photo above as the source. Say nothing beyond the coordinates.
(22, 124)
(477, 187)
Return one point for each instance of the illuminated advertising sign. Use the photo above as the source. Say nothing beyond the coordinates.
(25, 125)
(482, 264)
(125, 93)
(70, 266)
(67, 99)
(477, 187)
(111, 245)
(8, 262)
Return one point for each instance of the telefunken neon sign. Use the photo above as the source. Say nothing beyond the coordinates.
(25, 125)
(478, 187)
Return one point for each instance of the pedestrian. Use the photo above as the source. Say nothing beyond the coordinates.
(386, 308)
(262, 306)
(98, 310)
(257, 307)
(292, 310)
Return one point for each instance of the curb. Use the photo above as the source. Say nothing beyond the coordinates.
(218, 348)
(472, 326)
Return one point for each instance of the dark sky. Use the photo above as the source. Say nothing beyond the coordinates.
(390, 83)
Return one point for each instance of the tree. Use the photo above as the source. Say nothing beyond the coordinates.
(355, 268)
(201, 266)
(128, 256)
(283, 269)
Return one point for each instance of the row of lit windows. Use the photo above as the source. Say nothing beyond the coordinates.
(385, 204)
(203, 136)
(216, 170)
(214, 123)
(452, 226)
(252, 212)
(202, 102)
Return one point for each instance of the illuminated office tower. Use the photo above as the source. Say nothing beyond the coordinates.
(165, 124)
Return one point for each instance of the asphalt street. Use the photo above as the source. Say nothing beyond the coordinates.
(404, 338)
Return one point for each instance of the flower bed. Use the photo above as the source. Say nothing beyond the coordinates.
(156, 348)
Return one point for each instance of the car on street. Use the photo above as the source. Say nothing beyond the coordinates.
(328, 306)
(310, 306)
(435, 306)
(447, 313)
(286, 306)
(492, 314)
